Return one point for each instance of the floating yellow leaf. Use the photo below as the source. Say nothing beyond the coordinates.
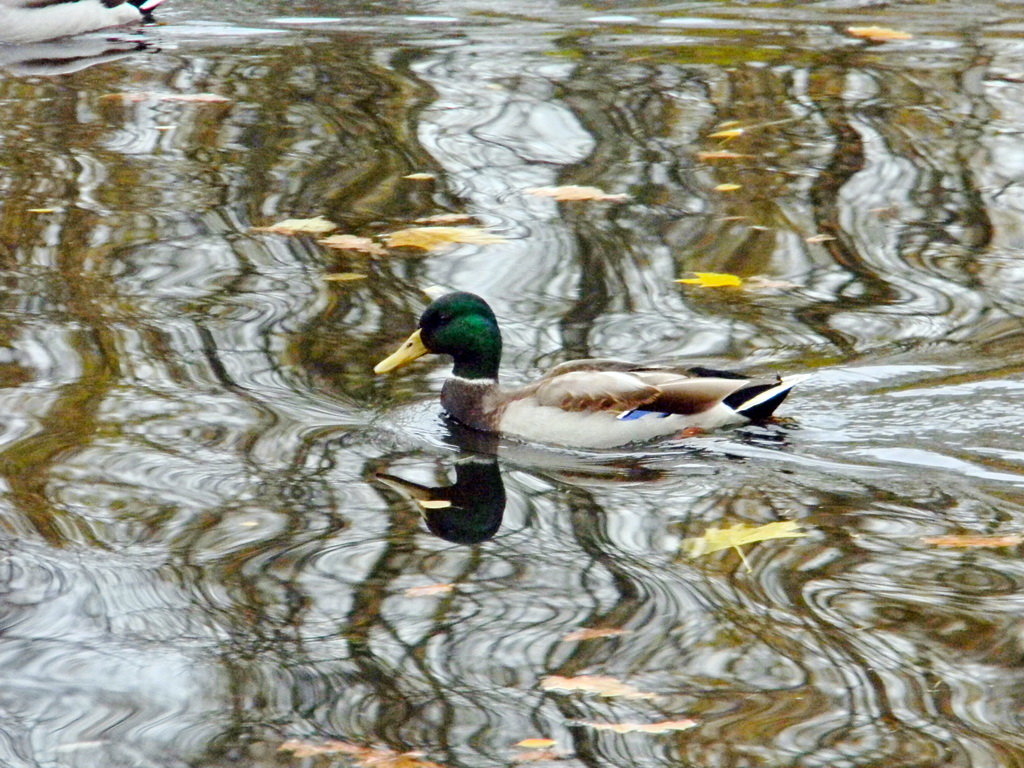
(665, 726)
(41, 210)
(536, 743)
(727, 187)
(317, 225)
(879, 34)
(728, 133)
(736, 536)
(429, 590)
(369, 757)
(344, 277)
(721, 154)
(599, 684)
(436, 238)
(353, 243)
(818, 238)
(572, 192)
(711, 279)
(1011, 540)
(592, 634)
(419, 176)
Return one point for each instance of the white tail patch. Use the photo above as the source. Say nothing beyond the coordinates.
(786, 384)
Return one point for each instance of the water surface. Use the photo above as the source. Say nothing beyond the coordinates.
(200, 561)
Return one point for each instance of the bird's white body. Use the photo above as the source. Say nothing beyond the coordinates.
(27, 21)
(529, 420)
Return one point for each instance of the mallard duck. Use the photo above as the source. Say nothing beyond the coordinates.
(581, 403)
(25, 21)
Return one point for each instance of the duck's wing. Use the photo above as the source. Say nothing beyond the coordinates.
(616, 385)
(593, 390)
(695, 394)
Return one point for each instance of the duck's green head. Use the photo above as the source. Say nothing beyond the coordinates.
(458, 324)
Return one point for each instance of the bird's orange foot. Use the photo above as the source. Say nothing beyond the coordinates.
(692, 432)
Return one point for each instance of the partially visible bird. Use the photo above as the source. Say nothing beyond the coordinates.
(582, 403)
(27, 21)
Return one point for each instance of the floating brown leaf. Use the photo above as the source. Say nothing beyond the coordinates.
(317, 225)
(721, 154)
(593, 634)
(1011, 540)
(369, 757)
(195, 98)
(447, 218)
(572, 192)
(353, 243)
(728, 133)
(712, 280)
(427, 590)
(436, 238)
(758, 283)
(664, 726)
(736, 536)
(301, 748)
(601, 685)
(879, 34)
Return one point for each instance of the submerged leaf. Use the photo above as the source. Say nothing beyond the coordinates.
(344, 277)
(879, 34)
(436, 238)
(1010, 540)
(736, 536)
(353, 243)
(599, 684)
(317, 225)
(572, 192)
(712, 280)
(665, 726)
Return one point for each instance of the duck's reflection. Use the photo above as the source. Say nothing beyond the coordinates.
(469, 510)
(62, 57)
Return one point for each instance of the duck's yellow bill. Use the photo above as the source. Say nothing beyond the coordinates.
(409, 351)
